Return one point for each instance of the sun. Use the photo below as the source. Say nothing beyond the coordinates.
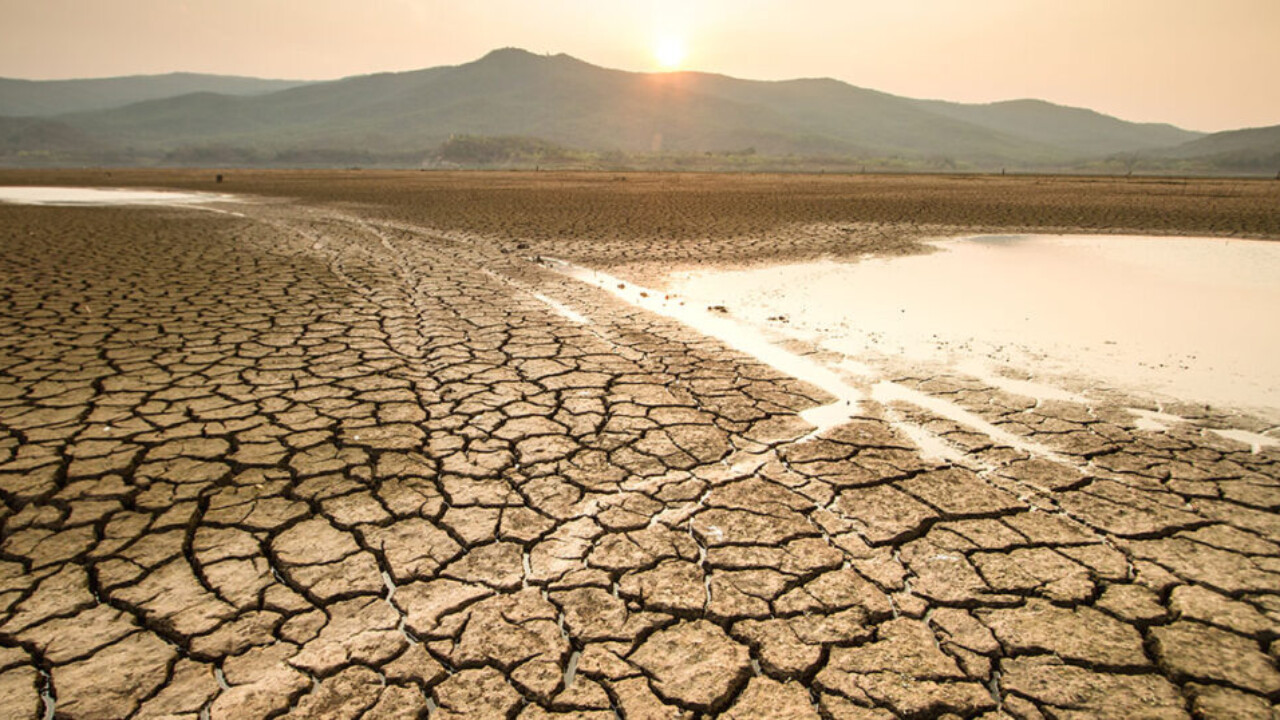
(670, 52)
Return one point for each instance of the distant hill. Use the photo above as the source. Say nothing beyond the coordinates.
(563, 108)
(41, 135)
(1251, 149)
(1078, 130)
(571, 103)
(26, 98)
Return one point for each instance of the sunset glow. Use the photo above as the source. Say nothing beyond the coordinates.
(670, 52)
(1201, 66)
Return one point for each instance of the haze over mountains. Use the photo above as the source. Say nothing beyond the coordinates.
(514, 107)
(25, 98)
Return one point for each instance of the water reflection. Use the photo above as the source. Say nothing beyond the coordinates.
(1184, 317)
(72, 196)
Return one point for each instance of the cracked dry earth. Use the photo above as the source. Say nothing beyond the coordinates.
(307, 464)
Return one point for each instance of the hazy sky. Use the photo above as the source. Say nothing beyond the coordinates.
(1202, 64)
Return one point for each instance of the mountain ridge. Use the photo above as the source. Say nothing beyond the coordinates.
(43, 98)
(566, 101)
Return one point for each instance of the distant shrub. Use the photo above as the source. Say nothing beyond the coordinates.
(500, 150)
(214, 155)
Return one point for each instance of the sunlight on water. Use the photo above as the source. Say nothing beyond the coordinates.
(102, 196)
(1183, 317)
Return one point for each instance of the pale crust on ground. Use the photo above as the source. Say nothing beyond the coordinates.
(334, 458)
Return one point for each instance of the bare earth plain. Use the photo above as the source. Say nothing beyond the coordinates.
(328, 452)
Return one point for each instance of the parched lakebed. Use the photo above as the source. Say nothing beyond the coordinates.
(356, 458)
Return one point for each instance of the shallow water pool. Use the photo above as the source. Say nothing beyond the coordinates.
(32, 195)
(1189, 318)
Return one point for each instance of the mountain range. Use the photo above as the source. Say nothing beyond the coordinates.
(26, 98)
(555, 108)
